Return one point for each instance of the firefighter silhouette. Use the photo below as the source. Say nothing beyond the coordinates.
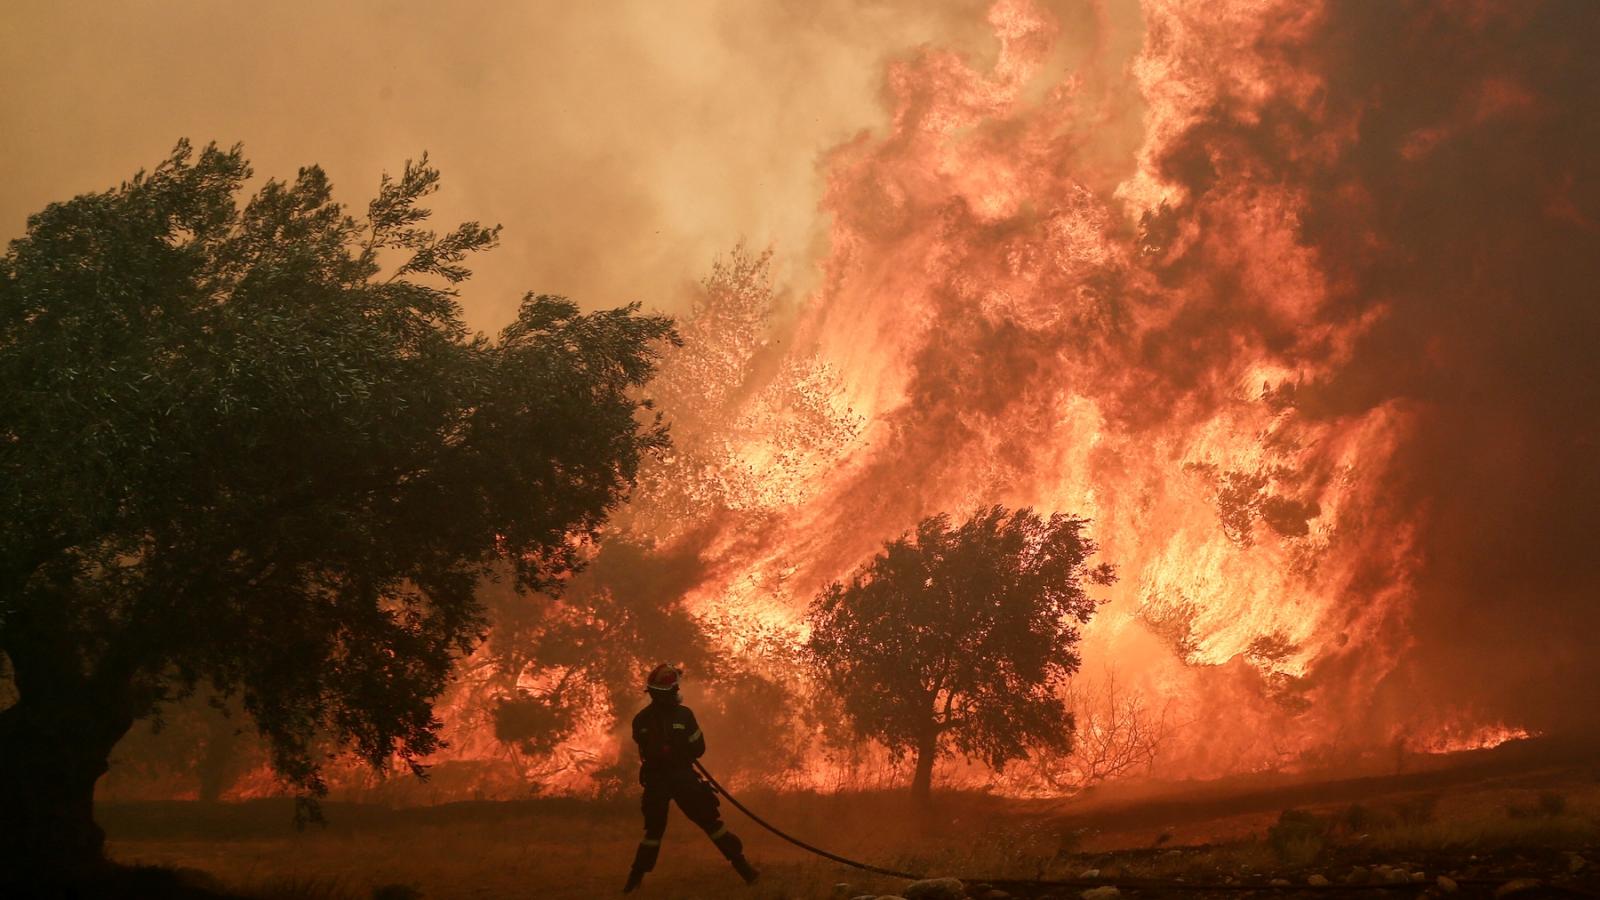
(669, 742)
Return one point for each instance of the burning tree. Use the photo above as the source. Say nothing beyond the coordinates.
(750, 432)
(240, 454)
(960, 638)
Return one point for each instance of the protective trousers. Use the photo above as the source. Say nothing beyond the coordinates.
(697, 801)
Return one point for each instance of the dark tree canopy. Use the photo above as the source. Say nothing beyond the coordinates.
(620, 616)
(958, 638)
(256, 448)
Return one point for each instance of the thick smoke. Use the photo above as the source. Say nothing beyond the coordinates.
(1439, 169)
(1468, 207)
(621, 145)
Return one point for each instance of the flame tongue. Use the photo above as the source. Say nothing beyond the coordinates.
(1017, 326)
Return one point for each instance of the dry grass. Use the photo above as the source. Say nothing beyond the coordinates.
(576, 850)
(568, 853)
(1491, 833)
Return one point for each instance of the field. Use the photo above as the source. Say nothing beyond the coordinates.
(1481, 820)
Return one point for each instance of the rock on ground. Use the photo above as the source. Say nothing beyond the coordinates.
(1105, 892)
(935, 889)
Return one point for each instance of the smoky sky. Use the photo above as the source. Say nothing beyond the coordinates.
(622, 145)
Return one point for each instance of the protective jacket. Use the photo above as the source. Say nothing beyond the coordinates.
(669, 739)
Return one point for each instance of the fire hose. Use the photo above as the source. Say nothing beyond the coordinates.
(794, 840)
(1131, 884)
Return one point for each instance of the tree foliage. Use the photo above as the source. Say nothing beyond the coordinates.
(590, 648)
(256, 446)
(958, 638)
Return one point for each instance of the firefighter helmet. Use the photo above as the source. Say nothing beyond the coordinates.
(664, 678)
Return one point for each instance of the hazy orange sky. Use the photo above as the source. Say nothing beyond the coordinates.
(621, 144)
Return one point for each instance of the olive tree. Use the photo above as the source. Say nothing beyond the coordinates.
(253, 447)
(958, 638)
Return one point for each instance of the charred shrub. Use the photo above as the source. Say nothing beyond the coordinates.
(1418, 810)
(1299, 837)
(1360, 819)
(1548, 805)
(1552, 804)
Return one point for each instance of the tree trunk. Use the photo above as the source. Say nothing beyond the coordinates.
(52, 751)
(922, 782)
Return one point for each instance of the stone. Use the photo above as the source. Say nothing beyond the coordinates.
(1419, 877)
(1358, 875)
(935, 889)
(1089, 873)
(842, 888)
(1575, 863)
(1396, 876)
(1318, 880)
(1446, 884)
(1104, 892)
(1517, 886)
(1280, 882)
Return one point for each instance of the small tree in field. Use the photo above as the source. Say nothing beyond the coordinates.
(959, 638)
(253, 447)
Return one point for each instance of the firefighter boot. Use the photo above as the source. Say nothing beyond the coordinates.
(745, 870)
(644, 859)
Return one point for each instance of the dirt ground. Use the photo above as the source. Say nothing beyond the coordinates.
(1481, 822)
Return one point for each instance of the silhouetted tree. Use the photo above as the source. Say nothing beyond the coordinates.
(238, 449)
(959, 638)
(588, 649)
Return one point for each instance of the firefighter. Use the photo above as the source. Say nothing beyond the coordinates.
(669, 742)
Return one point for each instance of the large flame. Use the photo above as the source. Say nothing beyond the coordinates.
(1165, 342)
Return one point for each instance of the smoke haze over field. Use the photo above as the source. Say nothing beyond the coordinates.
(1296, 301)
(621, 144)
